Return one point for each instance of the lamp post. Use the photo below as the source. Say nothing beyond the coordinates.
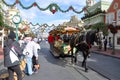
(114, 26)
(16, 20)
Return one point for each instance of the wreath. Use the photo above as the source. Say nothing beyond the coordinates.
(55, 6)
(113, 29)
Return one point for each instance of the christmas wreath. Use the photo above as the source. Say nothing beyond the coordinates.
(113, 29)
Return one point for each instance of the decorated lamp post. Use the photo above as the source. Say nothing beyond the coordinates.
(16, 20)
(113, 30)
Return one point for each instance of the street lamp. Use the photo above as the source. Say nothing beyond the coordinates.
(114, 26)
(16, 20)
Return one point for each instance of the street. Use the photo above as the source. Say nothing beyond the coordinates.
(105, 65)
(61, 69)
(67, 25)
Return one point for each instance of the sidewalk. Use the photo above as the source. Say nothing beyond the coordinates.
(1, 53)
(2, 68)
(108, 52)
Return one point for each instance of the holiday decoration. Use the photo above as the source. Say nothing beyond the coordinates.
(34, 4)
(53, 7)
(17, 1)
(37, 24)
(70, 8)
(113, 29)
(53, 11)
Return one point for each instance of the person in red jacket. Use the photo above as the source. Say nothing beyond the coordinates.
(57, 37)
(51, 41)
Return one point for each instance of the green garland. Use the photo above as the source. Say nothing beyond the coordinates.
(37, 24)
(43, 9)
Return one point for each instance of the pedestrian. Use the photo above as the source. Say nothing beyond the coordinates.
(12, 52)
(21, 41)
(105, 44)
(110, 44)
(57, 37)
(28, 51)
(35, 58)
(51, 41)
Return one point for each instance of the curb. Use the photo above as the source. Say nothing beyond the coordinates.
(96, 52)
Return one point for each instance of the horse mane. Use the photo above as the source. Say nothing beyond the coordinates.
(76, 39)
(91, 37)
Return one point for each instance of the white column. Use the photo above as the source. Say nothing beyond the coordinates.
(2, 37)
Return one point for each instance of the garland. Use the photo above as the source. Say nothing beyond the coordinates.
(50, 7)
(37, 24)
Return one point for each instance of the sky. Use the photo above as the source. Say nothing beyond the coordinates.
(35, 15)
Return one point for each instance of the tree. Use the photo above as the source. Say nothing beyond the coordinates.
(102, 27)
(1, 18)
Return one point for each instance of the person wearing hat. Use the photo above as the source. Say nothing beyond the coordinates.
(12, 51)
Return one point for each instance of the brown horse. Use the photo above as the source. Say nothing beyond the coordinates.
(79, 42)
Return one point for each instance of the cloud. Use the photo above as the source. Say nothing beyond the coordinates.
(47, 12)
(27, 0)
(28, 15)
(61, 2)
(35, 15)
(56, 22)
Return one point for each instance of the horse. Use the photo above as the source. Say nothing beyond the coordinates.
(82, 45)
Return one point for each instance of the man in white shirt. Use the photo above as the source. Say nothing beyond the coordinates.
(30, 50)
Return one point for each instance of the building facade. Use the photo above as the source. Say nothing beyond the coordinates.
(95, 13)
(113, 14)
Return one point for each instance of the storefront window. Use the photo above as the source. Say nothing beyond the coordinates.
(119, 16)
(111, 17)
(107, 19)
(118, 40)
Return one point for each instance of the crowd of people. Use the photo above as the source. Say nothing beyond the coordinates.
(26, 48)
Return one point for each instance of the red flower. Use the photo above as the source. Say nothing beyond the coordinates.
(113, 30)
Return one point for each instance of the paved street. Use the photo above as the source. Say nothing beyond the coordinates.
(60, 69)
(101, 67)
(105, 65)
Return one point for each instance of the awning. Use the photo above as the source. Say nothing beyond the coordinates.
(71, 29)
